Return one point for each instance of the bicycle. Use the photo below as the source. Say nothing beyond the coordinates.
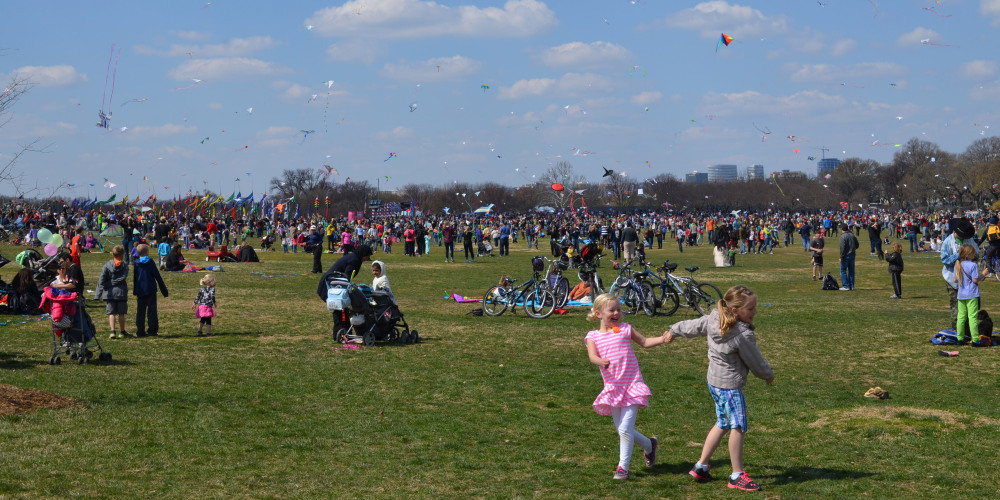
(555, 281)
(697, 296)
(994, 267)
(588, 274)
(633, 291)
(538, 302)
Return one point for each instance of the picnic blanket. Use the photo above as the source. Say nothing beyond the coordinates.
(950, 337)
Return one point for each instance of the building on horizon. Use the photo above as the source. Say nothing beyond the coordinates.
(826, 166)
(722, 173)
(696, 177)
(755, 171)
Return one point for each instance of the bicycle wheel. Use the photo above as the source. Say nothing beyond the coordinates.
(539, 303)
(495, 301)
(648, 298)
(701, 300)
(711, 290)
(561, 292)
(670, 301)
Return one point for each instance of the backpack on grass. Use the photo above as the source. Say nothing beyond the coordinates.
(830, 283)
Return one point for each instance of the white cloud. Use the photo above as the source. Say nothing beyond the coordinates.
(526, 88)
(991, 8)
(435, 69)
(362, 51)
(752, 102)
(235, 47)
(843, 47)
(396, 133)
(193, 36)
(988, 92)
(402, 19)
(830, 72)
(162, 130)
(569, 85)
(913, 38)
(647, 97)
(229, 68)
(50, 76)
(978, 69)
(585, 55)
(294, 91)
(712, 18)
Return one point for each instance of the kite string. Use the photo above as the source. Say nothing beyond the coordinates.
(107, 72)
(114, 76)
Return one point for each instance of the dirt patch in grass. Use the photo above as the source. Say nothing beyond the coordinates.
(17, 400)
(900, 418)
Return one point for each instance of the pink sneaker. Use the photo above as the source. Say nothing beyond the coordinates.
(621, 474)
(743, 483)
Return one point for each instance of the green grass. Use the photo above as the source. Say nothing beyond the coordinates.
(500, 407)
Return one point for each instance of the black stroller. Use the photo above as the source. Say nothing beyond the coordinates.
(362, 315)
(79, 341)
(485, 248)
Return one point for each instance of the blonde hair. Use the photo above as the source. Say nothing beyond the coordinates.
(896, 247)
(599, 303)
(965, 252)
(142, 250)
(208, 281)
(735, 298)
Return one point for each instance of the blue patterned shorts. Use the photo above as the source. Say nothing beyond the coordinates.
(730, 408)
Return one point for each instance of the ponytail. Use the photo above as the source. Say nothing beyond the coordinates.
(735, 298)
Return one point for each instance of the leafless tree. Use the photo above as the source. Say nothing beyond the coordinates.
(12, 92)
(562, 173)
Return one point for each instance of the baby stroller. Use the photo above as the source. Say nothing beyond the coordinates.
(485, 248)
(79, 341)
(361, 315)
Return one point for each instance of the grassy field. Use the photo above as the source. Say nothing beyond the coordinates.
(500, 407)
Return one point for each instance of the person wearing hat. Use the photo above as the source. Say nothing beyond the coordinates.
(960, 231)
(314, 244)
(991, 235)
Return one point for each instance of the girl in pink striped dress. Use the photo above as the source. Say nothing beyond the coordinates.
(609, 347)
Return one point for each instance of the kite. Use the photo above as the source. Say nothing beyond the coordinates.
(391, 156)
(387, 178)
(195, 80)
(135, 99)
(648, 165)
(810, 158)
(312, 98)
(105, 116)
(633, 69)
(305, 134)
(413, 107)
(607, 173)
(763, 131)
(774, 177)
(557, 187)
(927, 41)
(932, 11)
(724, 39)
(327, 170)
(485, 87)
(203, 140)
(250, 110)
(329, 84)
(796, 150)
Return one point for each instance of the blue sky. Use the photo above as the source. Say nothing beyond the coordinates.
(613, 83)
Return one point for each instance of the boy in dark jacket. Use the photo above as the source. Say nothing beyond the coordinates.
(112, 288)
(145, 279)
(895, 260)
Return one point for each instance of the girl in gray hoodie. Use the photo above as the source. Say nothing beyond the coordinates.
(732, 352)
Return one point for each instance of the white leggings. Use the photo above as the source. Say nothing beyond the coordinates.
(627, 435)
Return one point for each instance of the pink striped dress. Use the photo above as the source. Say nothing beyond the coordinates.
(623, 384)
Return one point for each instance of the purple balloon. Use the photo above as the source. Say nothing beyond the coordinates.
(51, 249)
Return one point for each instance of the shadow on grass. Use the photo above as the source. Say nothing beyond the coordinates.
(18, 361)
(790, 475)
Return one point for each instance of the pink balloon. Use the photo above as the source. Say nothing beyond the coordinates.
(50, 249)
